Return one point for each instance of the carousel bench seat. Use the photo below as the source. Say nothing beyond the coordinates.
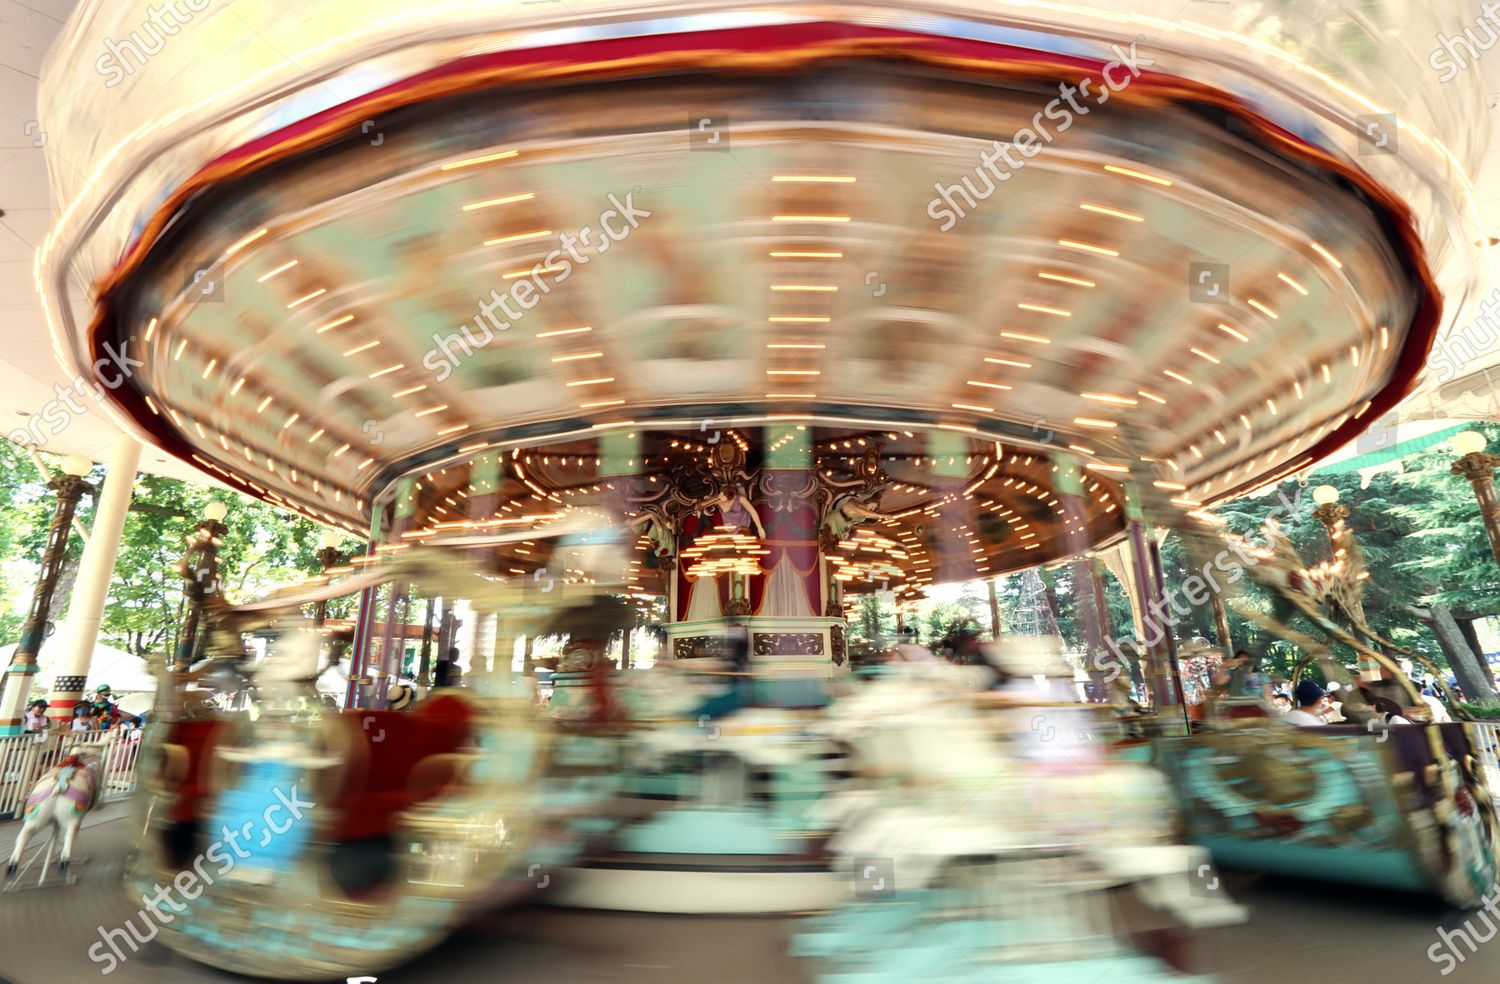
(391, 762)
(188, 753)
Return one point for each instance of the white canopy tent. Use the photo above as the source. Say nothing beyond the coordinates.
(124, 672)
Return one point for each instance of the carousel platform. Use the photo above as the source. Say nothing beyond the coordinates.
(1294, 925)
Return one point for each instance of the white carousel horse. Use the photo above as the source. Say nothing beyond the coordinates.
(61, 798)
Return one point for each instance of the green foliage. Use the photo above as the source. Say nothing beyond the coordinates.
(1487, 710)
(265, 547)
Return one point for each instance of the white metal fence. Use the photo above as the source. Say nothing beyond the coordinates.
(23, 759)
(1487, 738)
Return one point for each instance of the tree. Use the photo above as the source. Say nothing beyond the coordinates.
(265, 547)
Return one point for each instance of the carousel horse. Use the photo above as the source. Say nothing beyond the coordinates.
(61, 798)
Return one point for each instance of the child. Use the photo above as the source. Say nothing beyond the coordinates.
(36, 716)
(81, 721)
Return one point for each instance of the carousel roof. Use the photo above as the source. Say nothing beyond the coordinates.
(523, 249)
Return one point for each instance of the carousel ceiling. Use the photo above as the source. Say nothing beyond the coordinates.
(522, 250)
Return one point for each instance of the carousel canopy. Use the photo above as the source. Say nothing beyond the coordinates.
(458, 267)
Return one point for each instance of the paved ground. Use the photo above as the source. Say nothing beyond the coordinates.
(1298, 931)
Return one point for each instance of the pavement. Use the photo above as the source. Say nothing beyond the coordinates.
(1297, 931)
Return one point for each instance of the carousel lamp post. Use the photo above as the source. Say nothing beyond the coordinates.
(1332, 513)
(69, 487)
(328, 557)
(1479, 469)
(200, 569)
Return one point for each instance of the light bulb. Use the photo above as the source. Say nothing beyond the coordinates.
(330, 539)
(77, 465)
(1468, 442)
(215, 511)
(1325, 495)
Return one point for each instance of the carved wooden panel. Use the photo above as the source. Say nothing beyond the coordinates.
(788, 644)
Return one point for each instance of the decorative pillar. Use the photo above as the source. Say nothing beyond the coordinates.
(91, 590)
(69, 488)
(200, 572)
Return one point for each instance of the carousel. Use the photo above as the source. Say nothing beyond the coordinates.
(742, 314)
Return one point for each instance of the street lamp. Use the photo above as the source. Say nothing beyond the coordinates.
(200, 569)
(69, 488)
(328, 556)
(1479, 469)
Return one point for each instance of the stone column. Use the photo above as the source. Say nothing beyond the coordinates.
(91, 590)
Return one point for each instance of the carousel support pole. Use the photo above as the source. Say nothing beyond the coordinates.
(1152, 616)
(91, 590)
(391, 640)
(68, 488)
(364, 621)
(994, 609)
(1171, 640)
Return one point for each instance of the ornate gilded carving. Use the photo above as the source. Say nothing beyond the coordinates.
(1477, 466)
(788, 644)
(700, 647)
(840, 648)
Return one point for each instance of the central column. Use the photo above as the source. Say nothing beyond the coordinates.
(795, 629)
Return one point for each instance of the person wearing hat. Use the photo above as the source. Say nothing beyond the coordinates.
(1312, 704)
(36, 716)
(400, 696)
(103, 709)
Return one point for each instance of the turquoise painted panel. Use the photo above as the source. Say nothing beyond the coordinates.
(1386, 869)
(705, 832)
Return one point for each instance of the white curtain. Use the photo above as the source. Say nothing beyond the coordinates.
(786, 594)
(703, 602)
